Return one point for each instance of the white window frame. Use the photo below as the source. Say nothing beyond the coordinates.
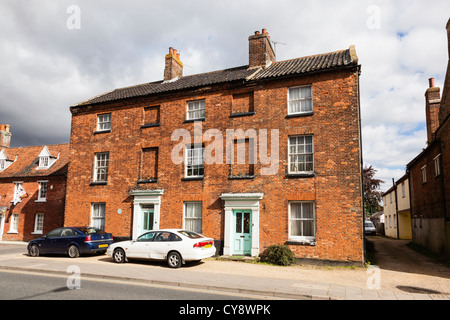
(42, 192)
(313, 219)
(305, 154)
(14, 225)
(44, 162)
(197, 111)
(98, 211)
(104, 122)
(101, 166)
(196, 219)
(16, 197)
(301, 99)
(424, 173)
(38, 223)
(437, 166)
(191, 164)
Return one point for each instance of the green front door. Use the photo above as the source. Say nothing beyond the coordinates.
(147, 215)
(242, 232)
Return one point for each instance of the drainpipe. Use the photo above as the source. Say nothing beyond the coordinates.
(410, 203)
(362, 166)
(396, 207)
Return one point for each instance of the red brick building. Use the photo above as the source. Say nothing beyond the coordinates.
(32, 188)
(429, 173)
(191, 152)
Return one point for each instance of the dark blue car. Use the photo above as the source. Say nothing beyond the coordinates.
(72, 241)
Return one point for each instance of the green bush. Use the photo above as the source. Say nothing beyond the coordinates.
(280, 255)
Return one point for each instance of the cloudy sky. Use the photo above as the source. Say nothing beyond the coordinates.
(54, 54)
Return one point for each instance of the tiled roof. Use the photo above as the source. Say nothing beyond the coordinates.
(305, 65)
(26, 161)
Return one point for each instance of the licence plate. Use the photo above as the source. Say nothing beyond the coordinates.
(208, 246)
(102, 245)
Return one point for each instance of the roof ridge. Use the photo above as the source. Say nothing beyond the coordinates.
(37, 146)
(300, 65)
(313, 55)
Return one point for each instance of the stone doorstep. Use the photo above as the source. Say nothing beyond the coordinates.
(239, 258)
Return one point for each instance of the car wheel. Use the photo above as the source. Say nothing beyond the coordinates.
(73, 251)
(174, 259)
(34, 250)
(119, 255)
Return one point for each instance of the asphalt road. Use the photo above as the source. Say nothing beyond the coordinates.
(28, 286)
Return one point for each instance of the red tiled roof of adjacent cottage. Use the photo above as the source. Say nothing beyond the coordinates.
(26, 161)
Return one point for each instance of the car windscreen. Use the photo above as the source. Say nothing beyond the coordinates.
(190, 234)
(90, 230)
(369, 224)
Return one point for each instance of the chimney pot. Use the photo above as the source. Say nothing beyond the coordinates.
(256, 33)
(264, 31)
(431, 81)
(171, 50)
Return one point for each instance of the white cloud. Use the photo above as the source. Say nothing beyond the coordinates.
(47, 67)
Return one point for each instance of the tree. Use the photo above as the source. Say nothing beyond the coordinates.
(371, 186)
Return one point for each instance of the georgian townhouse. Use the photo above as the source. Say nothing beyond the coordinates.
(261, 154)
(32, 188)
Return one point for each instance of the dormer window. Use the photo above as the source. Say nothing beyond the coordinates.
(46, 160)
(4, 161)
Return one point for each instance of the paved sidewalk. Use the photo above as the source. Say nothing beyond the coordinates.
(207, 276)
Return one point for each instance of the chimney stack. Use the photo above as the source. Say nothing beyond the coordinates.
(432, 106)
(445, 104)
(261, 53)
(5, 136)
(448, 36)
(174, 67)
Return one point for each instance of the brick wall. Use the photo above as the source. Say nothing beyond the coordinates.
(52, 208)
(335, 187)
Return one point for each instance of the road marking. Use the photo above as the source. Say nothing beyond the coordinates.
(143, 284)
